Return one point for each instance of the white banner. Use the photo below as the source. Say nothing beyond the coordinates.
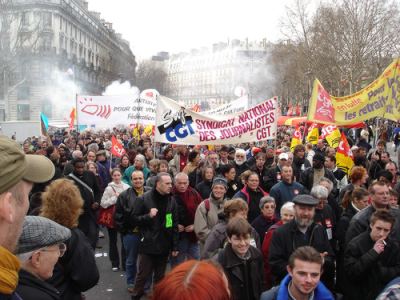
(110, 111)
(235, 106)
(177, 125)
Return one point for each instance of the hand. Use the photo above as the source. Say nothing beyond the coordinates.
(379, 246)
(181, 228)
(175, 253)
(153, 212)
(95, 205)
(189, 228)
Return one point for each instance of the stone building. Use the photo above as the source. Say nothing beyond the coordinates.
(209, 77)
(50, 50)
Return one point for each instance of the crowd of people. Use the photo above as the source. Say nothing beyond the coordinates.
(199, 222)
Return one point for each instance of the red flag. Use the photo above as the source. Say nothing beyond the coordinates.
(72, 119)
(117, 149)
(298, 110)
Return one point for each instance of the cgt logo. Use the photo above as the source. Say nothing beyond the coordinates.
(176, 125)
(102, 111)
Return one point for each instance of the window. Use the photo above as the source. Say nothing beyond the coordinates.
(25, 18)
(23, 112)
(23, 93)
(46, 19)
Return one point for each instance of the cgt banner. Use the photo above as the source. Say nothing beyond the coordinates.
(177, 125)
(109, 111)
(381, 98)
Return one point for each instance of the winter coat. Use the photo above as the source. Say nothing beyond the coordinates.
(281, 292)
(245, 276)
(262, 176)
(159, 235)
(76, 271)
(124, 209)
(265, 251)
(252, 199)
(109, 196)
(288, 238)
(299, 166)
(204, 189)
(360, 223)
(364, 267)
(273, 176)
(217, 240)
(187, 205)
(127, 178)
(31, 287)
(205, 220)
(261, 224)
(284, 192)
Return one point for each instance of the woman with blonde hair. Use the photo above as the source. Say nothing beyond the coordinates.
(76, 271)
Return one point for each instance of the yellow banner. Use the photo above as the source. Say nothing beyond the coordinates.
(313, 134)
(332, 135)
(296, 139)
(381, 98)
(344, 156)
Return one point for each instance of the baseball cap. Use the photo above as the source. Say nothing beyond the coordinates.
(39, 232)
(305, 200)
(283, 156)
(16, 165)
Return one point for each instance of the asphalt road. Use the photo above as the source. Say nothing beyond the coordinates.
(112, 285)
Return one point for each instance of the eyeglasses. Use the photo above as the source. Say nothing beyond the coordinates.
(61, 247)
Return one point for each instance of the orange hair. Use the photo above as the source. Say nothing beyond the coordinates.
(193, 280)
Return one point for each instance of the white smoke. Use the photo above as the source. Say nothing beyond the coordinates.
(117, 88)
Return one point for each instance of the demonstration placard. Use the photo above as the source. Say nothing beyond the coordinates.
(177, 125)
(231, 108)
(378, 99)
(109, 111)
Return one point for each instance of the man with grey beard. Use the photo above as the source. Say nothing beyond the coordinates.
(301, 231)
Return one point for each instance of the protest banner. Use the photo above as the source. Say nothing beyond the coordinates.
(332, 135)
(117, 149)
(109, 111)
(344, 156)
(297, 138)
(381, 98)
(313, 134)
(231, 108)
(177, 125)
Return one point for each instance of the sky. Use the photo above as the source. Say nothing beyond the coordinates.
(177, 26)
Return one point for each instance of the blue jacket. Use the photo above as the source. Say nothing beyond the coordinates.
(284, 192)
(281, 292)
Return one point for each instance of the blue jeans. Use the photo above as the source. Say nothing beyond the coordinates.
(131, 244)
(187, 250)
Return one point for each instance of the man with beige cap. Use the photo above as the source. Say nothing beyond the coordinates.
(18, 173)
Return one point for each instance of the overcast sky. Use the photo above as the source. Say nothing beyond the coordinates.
(180, 25)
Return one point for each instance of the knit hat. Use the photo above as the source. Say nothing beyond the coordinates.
(220, 181)
(40, 232)
(16, 165)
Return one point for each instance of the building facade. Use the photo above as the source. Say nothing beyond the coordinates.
(209, 77)
(50, 51)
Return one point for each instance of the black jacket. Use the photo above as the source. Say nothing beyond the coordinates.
(288, 238)
(123, 210)
(160, 234)
(360, 223)
(32, 288)
(246, 277)
(273, 176)
(263, 176)
(368, 272)
(298, 166)
(76, 271)
(204, 189)
(87, 220)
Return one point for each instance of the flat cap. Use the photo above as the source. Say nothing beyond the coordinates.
(305, 200)
(40, 232)
(16, 165)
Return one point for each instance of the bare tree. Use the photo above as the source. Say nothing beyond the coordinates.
(152, 75)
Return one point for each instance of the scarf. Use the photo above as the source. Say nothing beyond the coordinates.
(9, 267)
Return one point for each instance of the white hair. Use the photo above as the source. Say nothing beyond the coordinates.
(23, 257)
(240, 151)
(287, 206)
